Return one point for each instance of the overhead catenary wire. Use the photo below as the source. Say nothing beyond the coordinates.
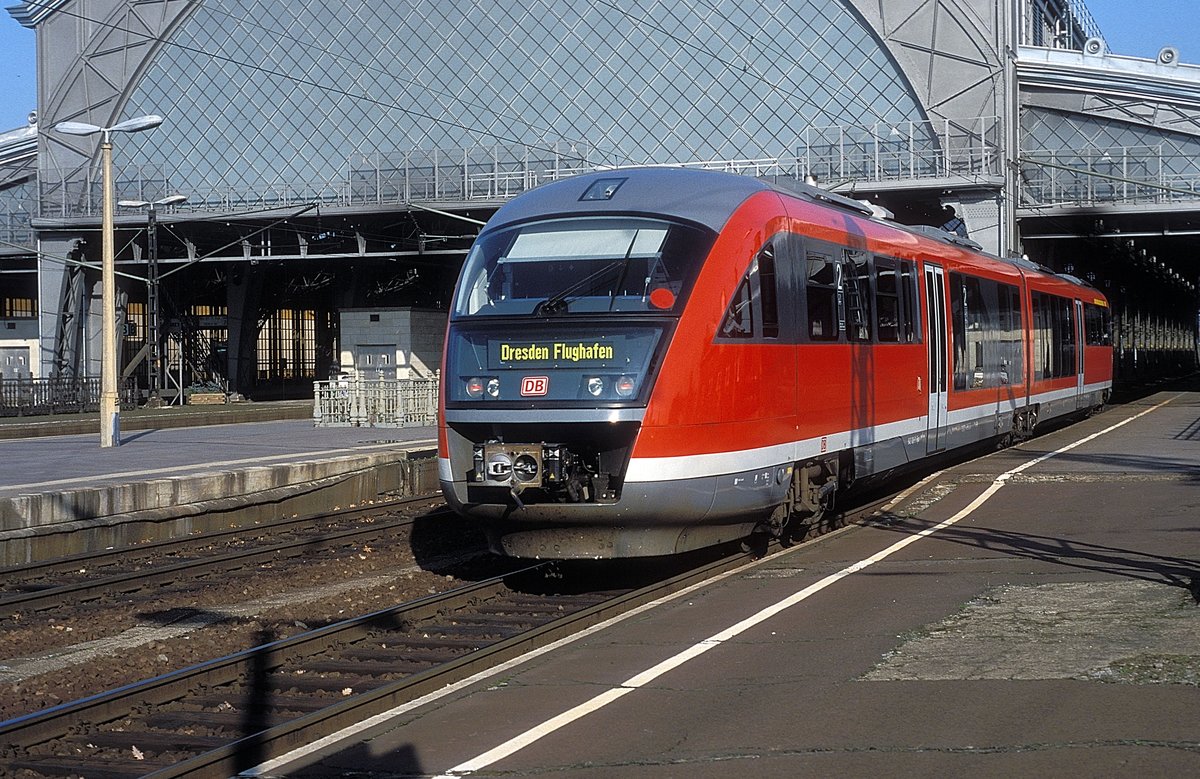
(742, 69)
(329, 88)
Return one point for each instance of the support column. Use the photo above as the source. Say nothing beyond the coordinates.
(243, 296)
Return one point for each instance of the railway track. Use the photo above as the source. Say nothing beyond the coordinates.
(87, 577)
(225, 715)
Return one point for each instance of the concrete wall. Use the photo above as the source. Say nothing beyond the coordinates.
(391, 343)
(19, 357)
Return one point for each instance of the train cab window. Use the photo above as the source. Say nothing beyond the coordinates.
(754, 310)
(821, 292)
(587, 266)
(856, 295)
(1097, 325)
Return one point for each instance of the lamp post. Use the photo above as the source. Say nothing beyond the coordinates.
(153, 334)
(110, 403)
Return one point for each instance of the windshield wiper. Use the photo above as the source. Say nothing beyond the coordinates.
(557, 303)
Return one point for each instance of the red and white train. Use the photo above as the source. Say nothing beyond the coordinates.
(648, 361)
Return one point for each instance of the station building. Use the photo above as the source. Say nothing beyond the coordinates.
(339, 157)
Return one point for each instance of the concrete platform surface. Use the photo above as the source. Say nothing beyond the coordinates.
(65, 494)
(57, 463)
(155, 418)
(1031, 613)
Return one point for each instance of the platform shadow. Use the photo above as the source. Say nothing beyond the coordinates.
(1172, 571)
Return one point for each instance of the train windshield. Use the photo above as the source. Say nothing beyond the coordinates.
(573, 266)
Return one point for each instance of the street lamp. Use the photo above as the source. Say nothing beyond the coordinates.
(110, 403)
(152, 306)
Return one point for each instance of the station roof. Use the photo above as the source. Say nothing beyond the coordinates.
(1146, 242)
(31, 12)
(1133, 77)
(18, 154)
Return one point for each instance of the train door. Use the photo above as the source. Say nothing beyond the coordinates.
(1080, 400)
(935, 308)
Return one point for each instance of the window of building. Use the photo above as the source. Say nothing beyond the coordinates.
(287, 345)
(18, 308)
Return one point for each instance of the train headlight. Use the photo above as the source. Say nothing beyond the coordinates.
(625, 386)
(475, 387)
(595, 386)
(493, 387)
(525, 468)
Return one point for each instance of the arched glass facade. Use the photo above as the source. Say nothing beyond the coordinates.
(1073, 158)
(258, 97)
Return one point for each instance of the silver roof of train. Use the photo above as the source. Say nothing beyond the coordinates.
(705, 197)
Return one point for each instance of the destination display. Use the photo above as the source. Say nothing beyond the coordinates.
(602, 352)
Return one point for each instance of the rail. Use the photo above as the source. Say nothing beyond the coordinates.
(360, 402)
(263, 701)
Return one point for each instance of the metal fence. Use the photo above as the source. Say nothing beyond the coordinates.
(375, 402)
(896, 151)
(878, 152)
(34, 397)
(485, 173)
(1112, 175)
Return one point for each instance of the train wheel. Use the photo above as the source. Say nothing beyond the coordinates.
(809, 505)
(784, 519)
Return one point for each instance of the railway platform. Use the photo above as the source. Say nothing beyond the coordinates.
(1034, 612)
(182, 470)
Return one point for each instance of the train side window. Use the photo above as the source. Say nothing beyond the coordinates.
(987, 343)
(1013, 335)
(1042, 355)
(887, 300)
(856, 295)
(909, 297)
(768, 287)
(1053, 336)
(754, 310)
(1065, 336)
(1096, 325)
(821, 294)
(961, 321)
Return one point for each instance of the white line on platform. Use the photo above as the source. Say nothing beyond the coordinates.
(598, 702)
(292, 456)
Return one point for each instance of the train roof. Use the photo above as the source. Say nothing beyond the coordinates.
(704, 197)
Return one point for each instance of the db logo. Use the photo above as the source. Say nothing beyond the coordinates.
(534, 385)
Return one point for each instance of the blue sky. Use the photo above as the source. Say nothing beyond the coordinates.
(1135, 27)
